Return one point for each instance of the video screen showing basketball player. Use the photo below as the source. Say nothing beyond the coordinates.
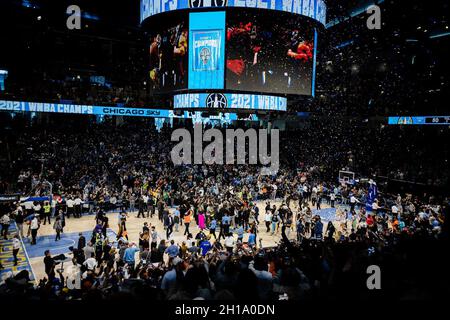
(269, 54)
(168, 57)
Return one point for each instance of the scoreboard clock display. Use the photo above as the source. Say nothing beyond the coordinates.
(437, 120)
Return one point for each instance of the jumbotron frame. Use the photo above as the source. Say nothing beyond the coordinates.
(209, 89)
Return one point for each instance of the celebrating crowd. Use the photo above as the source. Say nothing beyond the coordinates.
(226, 232)
(221, 213)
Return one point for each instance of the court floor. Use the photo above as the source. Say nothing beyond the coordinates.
(85, 224)
(7, 258)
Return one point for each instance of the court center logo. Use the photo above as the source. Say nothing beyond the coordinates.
(216, 101)
(207, 3)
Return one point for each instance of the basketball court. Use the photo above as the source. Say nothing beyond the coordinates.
(31, 256)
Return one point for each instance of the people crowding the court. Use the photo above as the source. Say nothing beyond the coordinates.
(127, 170)
(228, 265)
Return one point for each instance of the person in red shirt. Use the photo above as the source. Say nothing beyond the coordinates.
(370, 221)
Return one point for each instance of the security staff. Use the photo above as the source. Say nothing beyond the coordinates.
(47, 212)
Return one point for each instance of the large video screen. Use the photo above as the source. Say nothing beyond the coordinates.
(268, 52)
(168, 54)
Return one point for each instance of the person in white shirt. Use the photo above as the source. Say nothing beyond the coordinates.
(268, 219)
(34, 226)
(69, 203)
(305, 190)
(37, 208)
(353, 202)
(314, 196)
(90, 263)
(394, 210)
(332, 199)
(145, 198)
(19, 217)
(77, 205)
(53, 206)
(229, 243)
(375, 206)
(28, 207)
(113, 202)
(5, 221)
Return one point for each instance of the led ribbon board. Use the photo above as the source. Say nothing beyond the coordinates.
(315, 9)
(24, 106)
(223, 101)
(425, 120)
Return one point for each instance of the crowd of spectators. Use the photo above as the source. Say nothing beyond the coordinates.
(307, 266)
(77, 91)
(99, 167)
(128, 167)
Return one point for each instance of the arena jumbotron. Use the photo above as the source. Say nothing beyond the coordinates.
(247, 153)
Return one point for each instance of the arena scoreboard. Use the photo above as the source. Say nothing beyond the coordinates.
(232, 54)
(315, 9)
(233, 101)
(419, 120)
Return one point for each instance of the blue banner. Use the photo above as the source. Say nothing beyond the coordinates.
(229, 101)
(206, 50)
(32, 199)
(315, 9)
(25, 106)
(207, 53)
